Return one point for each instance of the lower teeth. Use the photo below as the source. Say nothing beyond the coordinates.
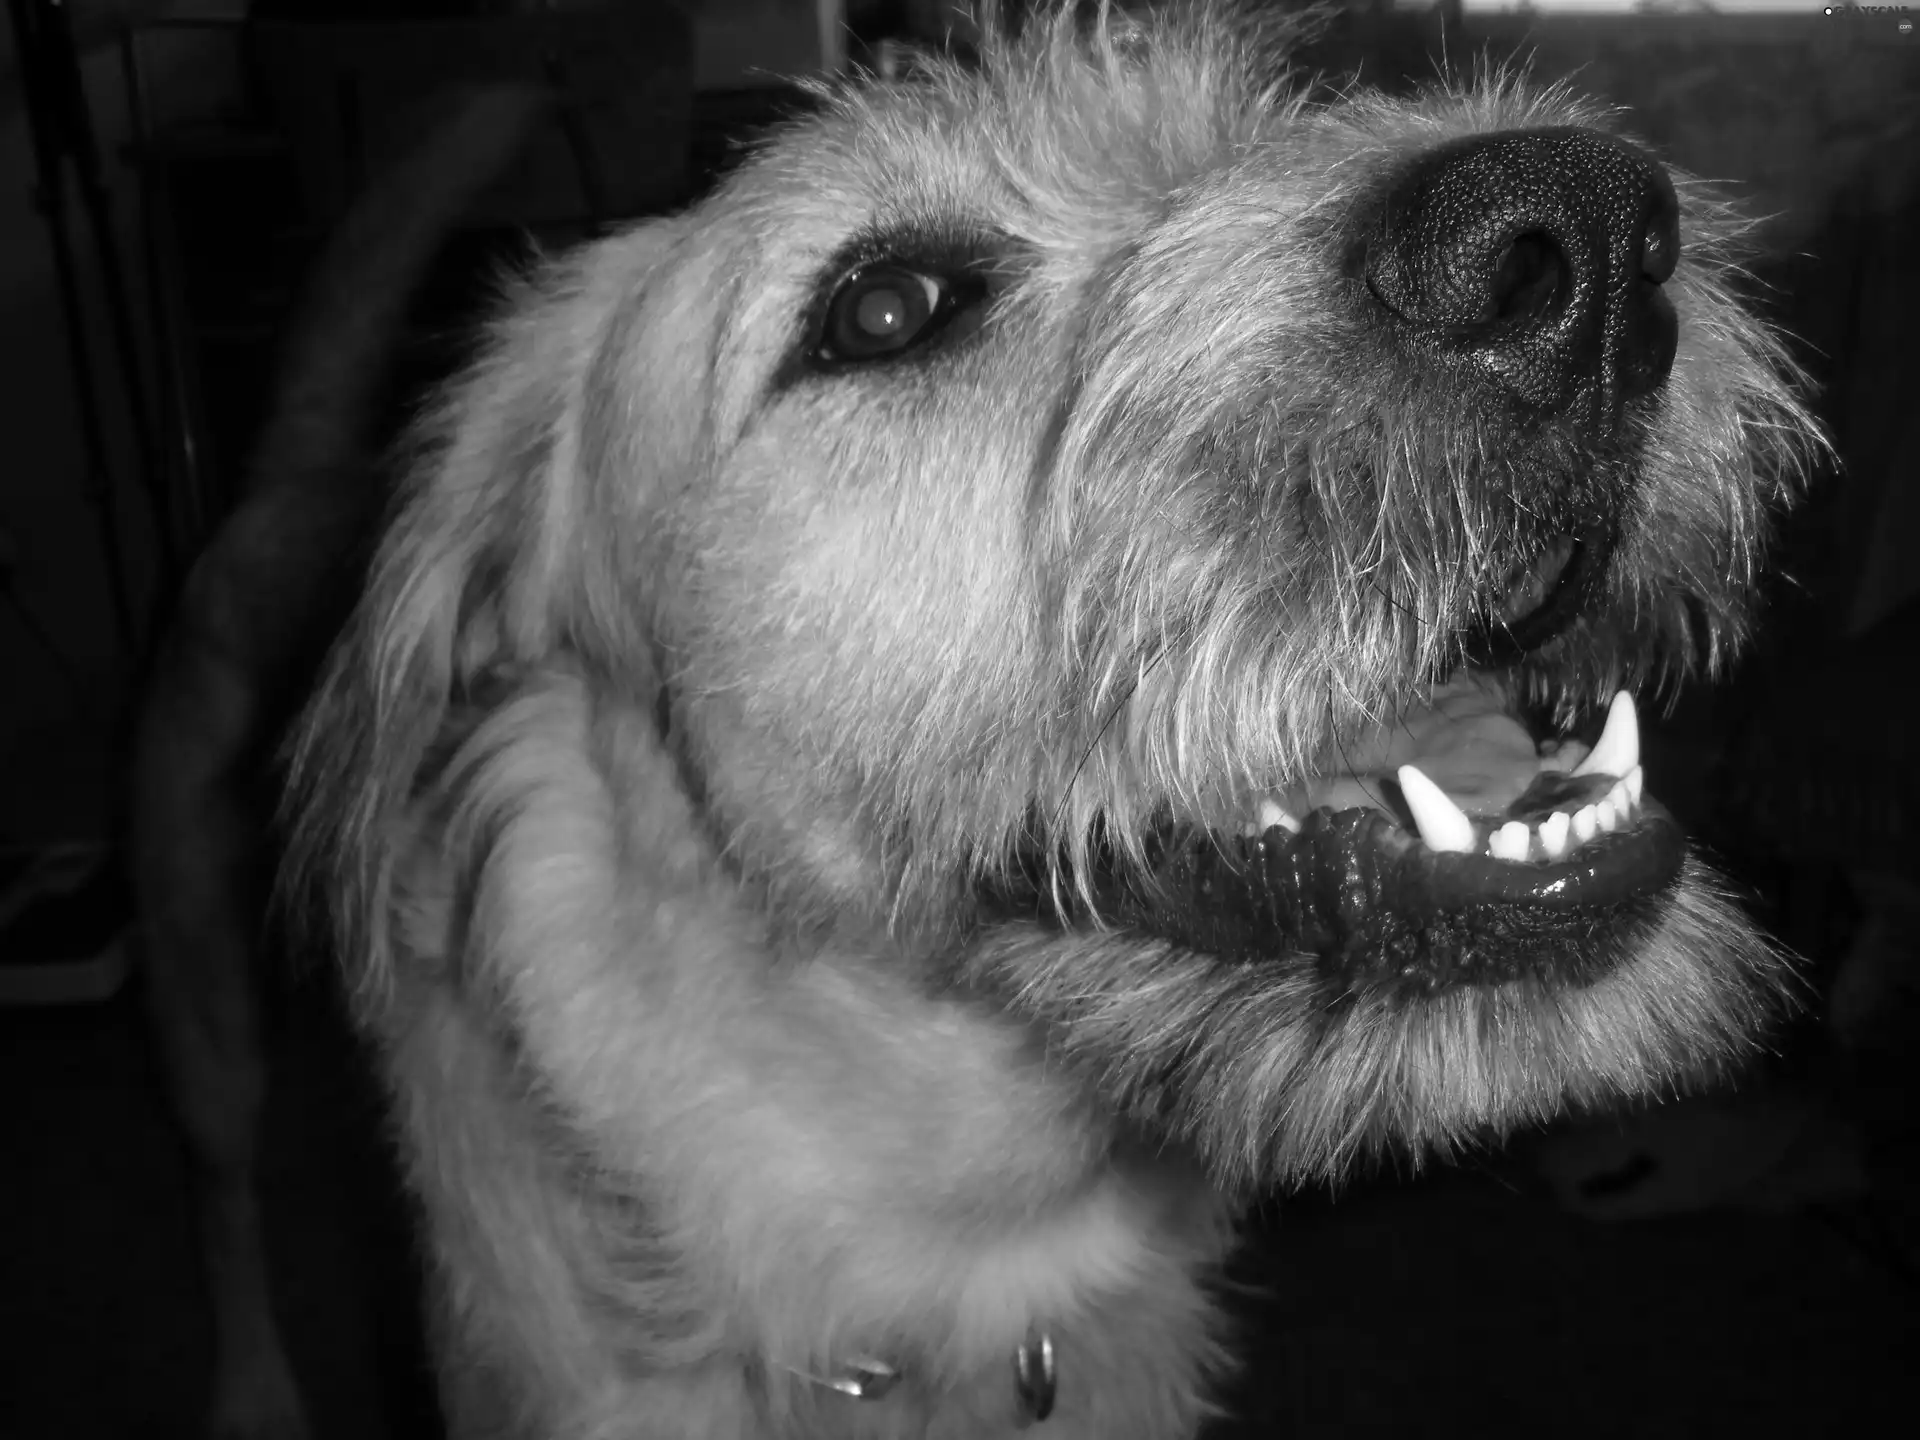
(1571, 794)
(1552, 837)
(1564, 831)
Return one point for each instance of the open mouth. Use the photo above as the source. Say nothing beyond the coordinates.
(1452, 845)
(1458, 849)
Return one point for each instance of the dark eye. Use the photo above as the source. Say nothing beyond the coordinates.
(882, 310)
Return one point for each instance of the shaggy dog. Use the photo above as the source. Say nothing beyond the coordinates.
(921, 730)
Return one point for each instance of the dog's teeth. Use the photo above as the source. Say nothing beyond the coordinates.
(1553, 834)
(1510, 841)
(1636, 783)
(1608, 817)
(1618, 749)
(1443, 825)
(1622, 803)
(1271, 815)
(1586, 823)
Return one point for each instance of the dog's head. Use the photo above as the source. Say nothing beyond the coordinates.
(1143, 544)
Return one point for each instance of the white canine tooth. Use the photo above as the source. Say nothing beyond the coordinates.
(1608, 816)
(1553, 834)
(1636, 782)
(1271, 815)
(1443, 825)
(1586, 823)
(1509, 842)
(1617, 796)
(1618, 749)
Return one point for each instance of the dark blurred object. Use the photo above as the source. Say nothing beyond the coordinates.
(1828, 777)
(60, 125)
(235, 207)
(345, 95)
(1830, 772)
(236, 211)
(63, 925)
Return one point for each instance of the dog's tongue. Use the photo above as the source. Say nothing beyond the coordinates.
(1464, 741)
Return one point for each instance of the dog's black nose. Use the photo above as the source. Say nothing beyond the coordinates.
(1536, 258)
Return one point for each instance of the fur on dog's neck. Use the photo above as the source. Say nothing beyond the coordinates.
(567, 857)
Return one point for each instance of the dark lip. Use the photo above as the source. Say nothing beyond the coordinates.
(1493, 643)
(1372, 906)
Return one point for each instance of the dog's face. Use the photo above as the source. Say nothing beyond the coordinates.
(1050, 505)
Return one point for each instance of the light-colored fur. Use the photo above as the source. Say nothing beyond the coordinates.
(695, 692)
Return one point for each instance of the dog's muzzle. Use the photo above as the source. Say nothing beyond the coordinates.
(1521, 271)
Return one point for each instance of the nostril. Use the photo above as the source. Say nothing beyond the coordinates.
(1530, 281)
(1658, 254)
(1660, 237)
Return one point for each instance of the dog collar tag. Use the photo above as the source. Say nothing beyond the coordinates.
(1034, 1378)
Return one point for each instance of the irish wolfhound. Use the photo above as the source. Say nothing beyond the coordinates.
(920, 730)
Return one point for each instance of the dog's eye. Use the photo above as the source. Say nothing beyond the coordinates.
(883, 310)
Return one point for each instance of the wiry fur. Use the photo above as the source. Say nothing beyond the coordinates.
(1199, 1049)
(695, 695)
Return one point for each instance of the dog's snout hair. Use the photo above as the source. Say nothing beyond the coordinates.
(745, 794)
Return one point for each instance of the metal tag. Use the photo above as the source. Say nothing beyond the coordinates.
(1034, 1378)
